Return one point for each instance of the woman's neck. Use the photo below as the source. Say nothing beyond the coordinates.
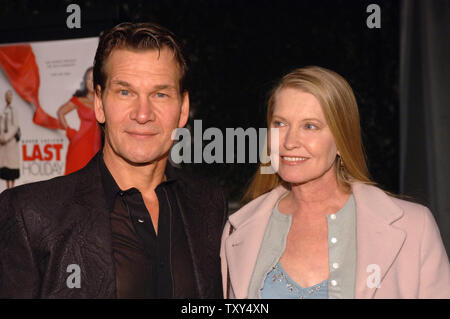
(90, 96)
(317, 197)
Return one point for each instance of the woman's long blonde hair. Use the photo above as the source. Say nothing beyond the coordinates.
(341, 113)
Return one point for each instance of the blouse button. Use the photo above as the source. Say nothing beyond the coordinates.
(333, 216)
(334, 240)
(335, 265)
(333, 282)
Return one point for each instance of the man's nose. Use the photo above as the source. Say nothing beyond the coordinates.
(292, 139)
(143, 111)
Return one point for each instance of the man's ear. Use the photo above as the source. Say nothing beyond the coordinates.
(98, 105)
(184, 112)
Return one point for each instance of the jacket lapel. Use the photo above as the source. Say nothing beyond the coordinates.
(242, 246)
(90, 195)
(202, 224)
(378, 242)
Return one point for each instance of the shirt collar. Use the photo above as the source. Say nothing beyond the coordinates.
(112, 189)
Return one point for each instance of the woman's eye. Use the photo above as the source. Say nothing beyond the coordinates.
(310, 126)
(278, 124)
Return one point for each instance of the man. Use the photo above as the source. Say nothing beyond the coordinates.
(127, 225)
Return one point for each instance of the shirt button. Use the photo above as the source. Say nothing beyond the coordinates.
(335, 265)
(334, 240)
(333, 282)
(333, 216)
(140, 220)
(121, 193)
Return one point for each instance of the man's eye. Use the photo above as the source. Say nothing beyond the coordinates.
(159, 94)
(124, 92)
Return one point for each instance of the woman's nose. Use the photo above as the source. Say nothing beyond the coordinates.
(291, 139)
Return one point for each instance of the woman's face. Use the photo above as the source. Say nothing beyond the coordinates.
(307, 149)
(90, 81)
(8, 97)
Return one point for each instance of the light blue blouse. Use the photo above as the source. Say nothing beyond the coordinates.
(278, 285)
(341, 255)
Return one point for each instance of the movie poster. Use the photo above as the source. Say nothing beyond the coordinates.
(47, 122)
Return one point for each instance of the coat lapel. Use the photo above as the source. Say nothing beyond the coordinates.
(242, 246)
(90, 197)
(203, 226)
(378, 242)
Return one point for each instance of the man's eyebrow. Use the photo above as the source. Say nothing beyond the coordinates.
(156, 87)
(121, 83)
(164, 86)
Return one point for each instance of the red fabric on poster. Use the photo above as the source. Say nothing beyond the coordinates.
(19, 64)
(85, 142)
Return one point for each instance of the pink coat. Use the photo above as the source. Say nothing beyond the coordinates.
(400, 237)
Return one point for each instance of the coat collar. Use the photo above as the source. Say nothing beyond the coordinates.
(378, 241)
(242, 246)
(197, 216)
(90, 195)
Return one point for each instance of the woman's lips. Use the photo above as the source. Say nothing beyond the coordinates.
(293, 160)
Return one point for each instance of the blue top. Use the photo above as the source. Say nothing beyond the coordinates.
(341, 256)
(278, 285)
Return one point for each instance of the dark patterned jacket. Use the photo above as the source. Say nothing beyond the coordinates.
(46, 226)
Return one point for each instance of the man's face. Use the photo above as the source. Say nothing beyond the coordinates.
(141, 105)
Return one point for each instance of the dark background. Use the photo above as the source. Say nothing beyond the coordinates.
(238, 49)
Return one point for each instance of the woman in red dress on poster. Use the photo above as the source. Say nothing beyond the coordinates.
(86, 142)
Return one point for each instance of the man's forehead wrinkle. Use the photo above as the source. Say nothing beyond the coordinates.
(153, 67)
(164, 84)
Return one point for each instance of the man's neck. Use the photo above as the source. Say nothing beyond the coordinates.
(143, 177)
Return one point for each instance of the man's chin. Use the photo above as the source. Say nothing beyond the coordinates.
(144, 159)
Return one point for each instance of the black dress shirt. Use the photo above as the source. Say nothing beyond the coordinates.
(148, 265)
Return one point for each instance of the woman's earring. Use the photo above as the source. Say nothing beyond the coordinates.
(341, 162)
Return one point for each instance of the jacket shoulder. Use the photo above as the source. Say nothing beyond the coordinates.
(46, 192)
(409, 206)
(259, 206)
(192, 179)
(54, 192)
(195, 184)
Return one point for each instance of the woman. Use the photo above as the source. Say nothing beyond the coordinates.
(319, 227)
(86, 142)
(9, 143)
